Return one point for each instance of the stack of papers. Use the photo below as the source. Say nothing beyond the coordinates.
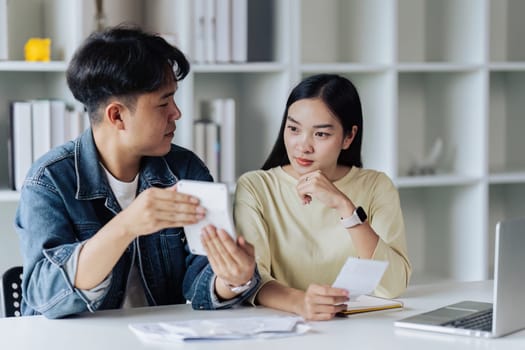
(226, 328)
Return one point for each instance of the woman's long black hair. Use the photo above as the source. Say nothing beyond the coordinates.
(341, 97)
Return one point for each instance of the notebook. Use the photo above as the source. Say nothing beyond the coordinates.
(490, 320)
(368, 303)
(360, 277)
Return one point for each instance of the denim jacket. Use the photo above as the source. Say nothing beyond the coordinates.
(66, 199)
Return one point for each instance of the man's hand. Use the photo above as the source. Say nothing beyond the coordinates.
(233, 261)
(159, 208)
(153, 210)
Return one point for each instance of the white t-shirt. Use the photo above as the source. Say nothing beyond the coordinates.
(125, 193)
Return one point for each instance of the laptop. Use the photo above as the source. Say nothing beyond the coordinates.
(489, 320)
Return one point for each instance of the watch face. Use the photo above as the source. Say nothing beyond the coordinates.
(361, 213)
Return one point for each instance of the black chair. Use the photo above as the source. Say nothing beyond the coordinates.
(12, 291)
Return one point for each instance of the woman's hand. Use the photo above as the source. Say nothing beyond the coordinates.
(322, 302)
(316, 185)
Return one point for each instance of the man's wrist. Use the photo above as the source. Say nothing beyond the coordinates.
(238, 289)
(228, 291)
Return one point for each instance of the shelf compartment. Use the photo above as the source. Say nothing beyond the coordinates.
(25, 86)
(260, 100)
(440, 31)
(445, 235)
(446, 106)
(506, 122)
(10, 247)
(507, 30)
(42, 19)
(505, 202)
(346, 31)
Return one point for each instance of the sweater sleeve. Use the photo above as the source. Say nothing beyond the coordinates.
(249, 223)
(386, 219)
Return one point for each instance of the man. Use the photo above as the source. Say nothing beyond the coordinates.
(99, 219)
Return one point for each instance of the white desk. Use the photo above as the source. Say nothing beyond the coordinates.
(109, 329)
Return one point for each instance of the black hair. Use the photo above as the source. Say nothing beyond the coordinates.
(122, 61)
(341, 97)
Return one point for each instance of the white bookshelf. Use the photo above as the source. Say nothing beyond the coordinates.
(425, 69)
(449, 69)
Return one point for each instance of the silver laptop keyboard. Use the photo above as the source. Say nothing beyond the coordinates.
(480, 321)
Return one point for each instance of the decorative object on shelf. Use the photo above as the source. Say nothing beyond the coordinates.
(428, 165)
(100, 16)
(38, 49)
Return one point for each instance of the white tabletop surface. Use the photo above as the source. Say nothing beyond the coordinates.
(109, 329)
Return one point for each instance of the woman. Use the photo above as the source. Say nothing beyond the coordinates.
(313, 205)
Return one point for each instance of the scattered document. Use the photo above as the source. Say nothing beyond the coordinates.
(220, 329)
(360, 276)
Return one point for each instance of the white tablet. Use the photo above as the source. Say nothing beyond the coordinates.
(214, 197)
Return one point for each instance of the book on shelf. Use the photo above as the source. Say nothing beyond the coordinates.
(199, 139)
(41, 119)
(260, 33)
(368, 303)
(223, 114)
(215, 137)
(210, 30)
(58, 123)
(213, 149)
(36, 126)
(19, 143)
(3, 30)
(223, 33)
(76, 121)
(199, 31)
(206, 145)
(239, 30)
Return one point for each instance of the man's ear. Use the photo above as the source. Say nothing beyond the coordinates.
(113, 114)
(349, 138)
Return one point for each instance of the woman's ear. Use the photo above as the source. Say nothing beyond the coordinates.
(349, 138)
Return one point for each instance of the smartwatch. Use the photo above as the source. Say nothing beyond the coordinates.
(357, 218)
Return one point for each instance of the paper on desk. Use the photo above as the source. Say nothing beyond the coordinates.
(226, 328)
(360, 276)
